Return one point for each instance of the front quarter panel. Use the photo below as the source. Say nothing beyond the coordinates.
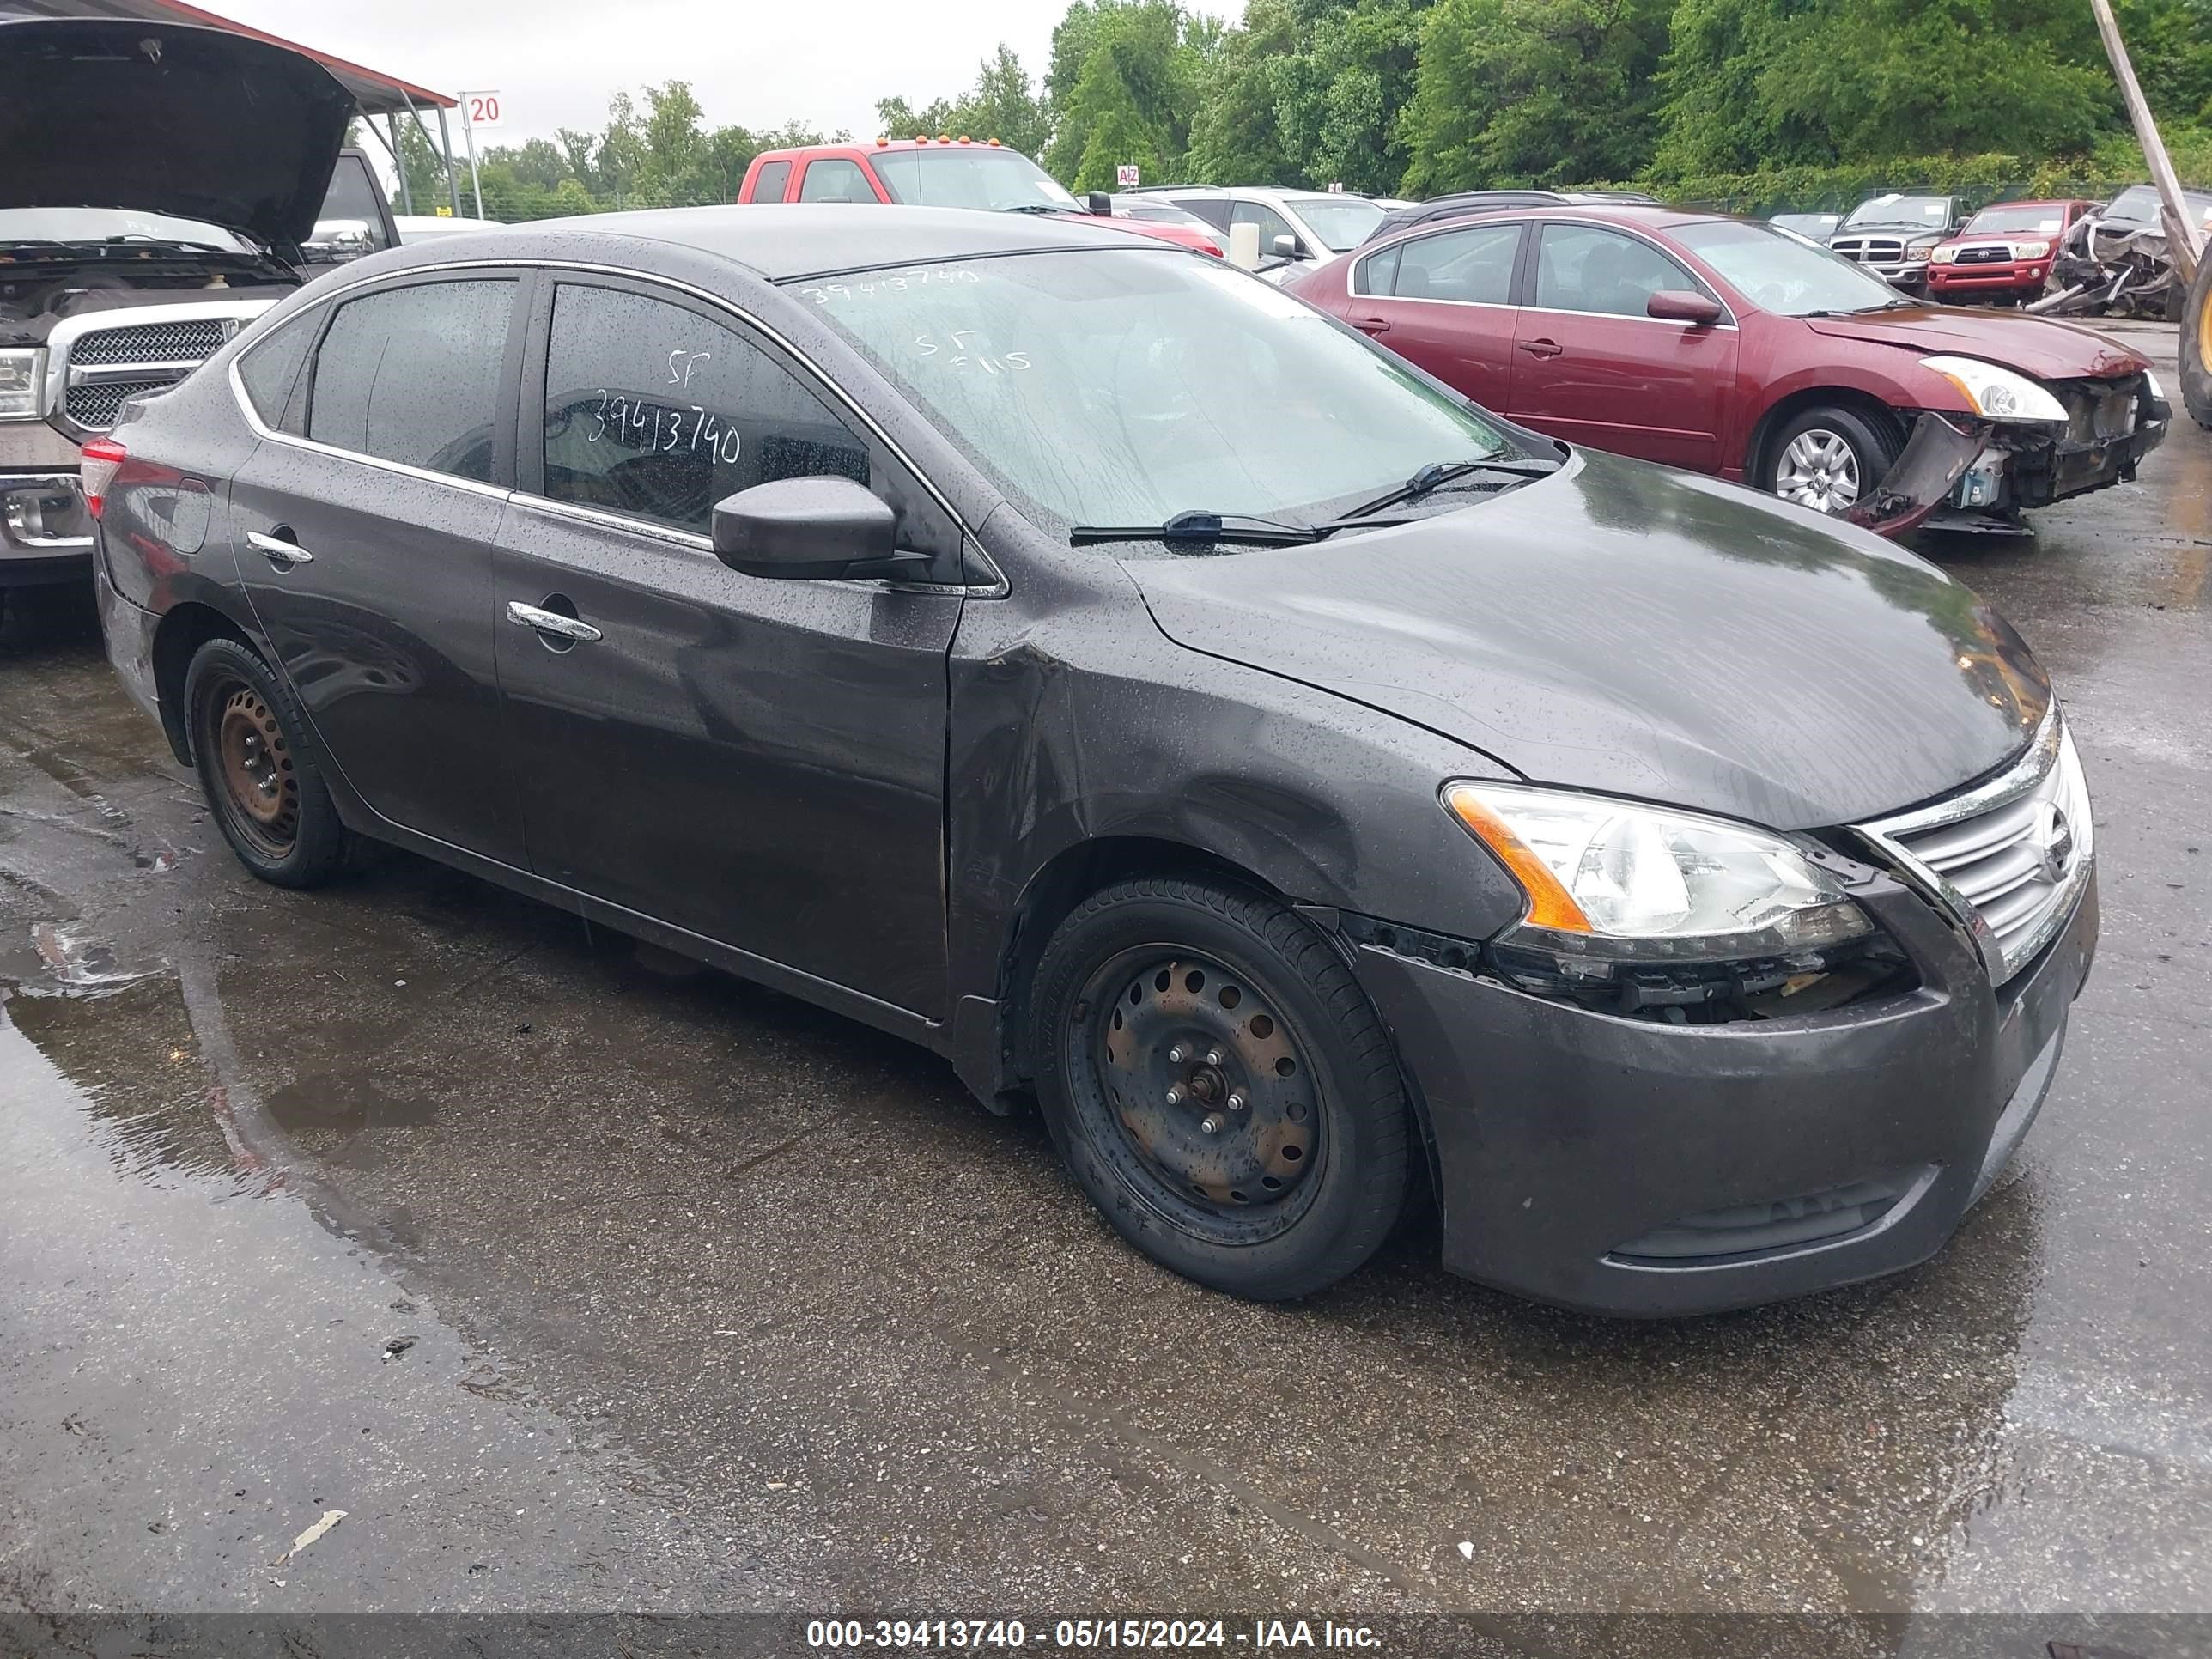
(1076, 721)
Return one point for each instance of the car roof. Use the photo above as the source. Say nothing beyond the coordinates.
(780, 241)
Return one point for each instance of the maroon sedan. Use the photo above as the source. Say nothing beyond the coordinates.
(1725, 346)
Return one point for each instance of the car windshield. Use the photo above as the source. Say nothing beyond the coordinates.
(86, 224)
(1112, 387)
(2139, 204)
(2044, 218)
(1915, 210)
(974, 176)
(1341, 221)
(1776, 272)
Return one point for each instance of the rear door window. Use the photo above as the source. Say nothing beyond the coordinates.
(835, 180)
(267, 369)
(1473, 266)
(772, 179)
(412, 374)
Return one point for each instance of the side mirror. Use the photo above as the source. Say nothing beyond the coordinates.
(809, 529)
(1675, 305)
(1098, 202)
(1287, 247)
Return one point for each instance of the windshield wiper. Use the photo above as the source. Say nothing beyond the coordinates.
(1038, 207)
(1437, 474)
(1195, 526)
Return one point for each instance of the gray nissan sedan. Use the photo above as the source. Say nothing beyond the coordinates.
(1085, 660)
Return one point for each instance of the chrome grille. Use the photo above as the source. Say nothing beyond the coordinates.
(1869, 249)
(97, 359)
(93, 407)
(154, 343)
(2008, 857)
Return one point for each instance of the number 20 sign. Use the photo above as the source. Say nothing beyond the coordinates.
(480, 109)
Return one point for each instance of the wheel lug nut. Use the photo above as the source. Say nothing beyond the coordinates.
(1214, 1056)
(1211, 1125)
(1235, 1103)
(1177, 1055)
(1174, 1094)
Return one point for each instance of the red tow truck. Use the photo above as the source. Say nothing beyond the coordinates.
(962, 172)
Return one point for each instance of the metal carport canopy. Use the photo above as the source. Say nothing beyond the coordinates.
(376, 93)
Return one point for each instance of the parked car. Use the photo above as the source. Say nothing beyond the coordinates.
(950, 172)
(1814, 227)
(1094, 665)
(2138, 208)
(2004, 253)
(1157, 211)
(1726, 346)
(2116, 263)
(1295, 226)
(1464, 203)
(1895, 236)
(161, 187)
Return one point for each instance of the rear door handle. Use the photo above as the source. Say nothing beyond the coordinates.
(277, 550)
(1542, 347)
(551, 623)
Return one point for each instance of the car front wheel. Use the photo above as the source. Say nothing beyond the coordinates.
(1220, 1087)
(1826, 459)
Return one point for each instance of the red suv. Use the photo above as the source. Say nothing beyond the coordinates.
(962, 172)
(2004, 253)
(1726, 346)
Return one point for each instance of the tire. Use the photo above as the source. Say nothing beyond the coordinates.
(2197, 347)
(1839, 454)
(1244, 1011)
(257, 768)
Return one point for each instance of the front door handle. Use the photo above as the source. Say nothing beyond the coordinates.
(1372, 324)
(1542, 347)
(551, 623)
(278, 549)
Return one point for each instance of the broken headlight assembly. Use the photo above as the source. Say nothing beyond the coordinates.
(1668, 915)
(1997, 394)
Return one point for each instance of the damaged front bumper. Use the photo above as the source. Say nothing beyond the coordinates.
(1966, 472)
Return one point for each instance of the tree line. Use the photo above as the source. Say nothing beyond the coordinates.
(1416, 97)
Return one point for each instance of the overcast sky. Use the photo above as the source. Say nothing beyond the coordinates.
(758, 63)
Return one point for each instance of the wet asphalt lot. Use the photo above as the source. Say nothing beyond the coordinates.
(581, 1280)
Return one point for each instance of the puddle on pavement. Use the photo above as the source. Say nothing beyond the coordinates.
(346, 1102)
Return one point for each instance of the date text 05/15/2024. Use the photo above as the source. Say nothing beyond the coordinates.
(1161, 1635)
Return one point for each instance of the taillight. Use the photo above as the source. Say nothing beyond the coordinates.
(103, 459)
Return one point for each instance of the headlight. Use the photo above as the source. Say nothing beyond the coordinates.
(1611, 882)
(20, 370)
(1997, 394)
(1943, 256)
(1916, 254)
(2031, 250)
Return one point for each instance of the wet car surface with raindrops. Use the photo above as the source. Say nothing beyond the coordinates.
(576, 1275)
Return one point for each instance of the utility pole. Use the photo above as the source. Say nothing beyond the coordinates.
(2185, 237)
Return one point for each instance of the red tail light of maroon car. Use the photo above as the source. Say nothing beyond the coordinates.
(1725, 346)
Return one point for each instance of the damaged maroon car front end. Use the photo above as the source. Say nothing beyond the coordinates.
(1971, 473)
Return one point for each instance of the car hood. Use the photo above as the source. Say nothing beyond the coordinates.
(2038, 346)
(1621, 627)
(168, 118)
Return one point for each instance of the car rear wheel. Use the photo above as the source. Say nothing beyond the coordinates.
(1220, 1087)
(257, 771)
(1826, 458)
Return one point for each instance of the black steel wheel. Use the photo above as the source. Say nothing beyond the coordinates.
(1220, 1087)
(256, 768)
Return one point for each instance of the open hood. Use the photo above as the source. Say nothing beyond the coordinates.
(166, 118)
(2040, 347)
(1624, 629)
